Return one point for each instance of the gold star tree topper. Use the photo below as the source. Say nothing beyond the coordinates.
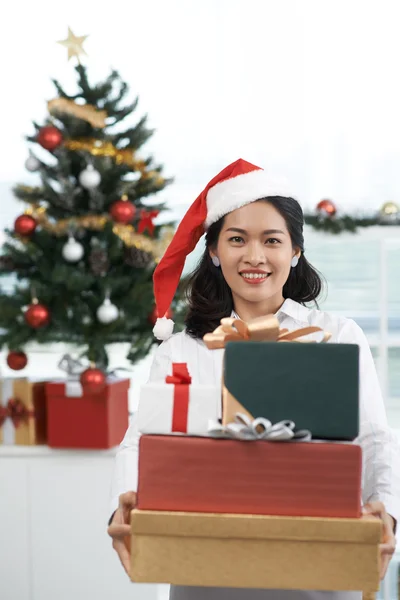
(74, 44)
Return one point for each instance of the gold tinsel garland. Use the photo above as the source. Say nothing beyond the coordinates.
(126, 233)
(121, 156)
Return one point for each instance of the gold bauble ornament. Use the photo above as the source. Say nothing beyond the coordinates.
(390, 208)
(390, 213)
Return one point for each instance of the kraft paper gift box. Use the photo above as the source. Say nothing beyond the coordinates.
(196, 474)
(23, 419)
(315, 385)
(255, 551)
(178, 406)
(82, 420)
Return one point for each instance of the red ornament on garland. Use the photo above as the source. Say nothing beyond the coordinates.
(93, 381)
(17, 360)
(153, 316)
(25, 225)
(327, 208)
(37, 315)
(49, 137)
(146, 221)
(123, 211)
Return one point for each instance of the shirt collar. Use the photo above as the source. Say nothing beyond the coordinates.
(289, 308)
(293, 309)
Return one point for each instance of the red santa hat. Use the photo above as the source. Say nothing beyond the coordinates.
(240, 183)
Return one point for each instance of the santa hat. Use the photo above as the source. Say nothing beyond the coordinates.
(238, 184)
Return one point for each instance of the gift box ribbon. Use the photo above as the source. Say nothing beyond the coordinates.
(261, 329)
(74, 368)
(16, 411)
(244, 428)
(181, 380)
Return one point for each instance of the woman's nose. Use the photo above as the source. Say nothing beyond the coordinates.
(255, 254)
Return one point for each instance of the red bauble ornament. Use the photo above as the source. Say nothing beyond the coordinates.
(327, 208)
(93, 381)
(153, 316)
(17, 360)
(49, 137)
(25, 225)
(37, 315)
(122, 211)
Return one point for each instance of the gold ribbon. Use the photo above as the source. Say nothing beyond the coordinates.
(261, 329)
(86, 112)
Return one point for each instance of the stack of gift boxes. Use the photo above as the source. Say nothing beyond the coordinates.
(241, 511)
(61, 414)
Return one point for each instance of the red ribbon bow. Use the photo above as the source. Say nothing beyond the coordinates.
(181, 379)
(16, 411)
(146, 221)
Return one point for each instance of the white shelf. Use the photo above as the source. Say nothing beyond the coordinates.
(16, 451)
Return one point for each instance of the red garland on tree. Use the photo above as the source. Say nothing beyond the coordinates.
(25, 225)
(93, 381)
(17, 360)
(146, 221)
(153, 316)
(123, 211)
(327, 208)
(37, 315)
(49, 137)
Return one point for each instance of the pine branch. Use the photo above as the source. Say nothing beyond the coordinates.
(60, 90)
(28, 194)
(121, 114)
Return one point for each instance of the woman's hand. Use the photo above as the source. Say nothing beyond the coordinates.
(388, 545)
(120, 529)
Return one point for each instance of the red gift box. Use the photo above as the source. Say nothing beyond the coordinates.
(89, 421)
(194, 474)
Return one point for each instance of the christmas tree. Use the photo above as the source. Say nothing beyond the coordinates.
(86, 246)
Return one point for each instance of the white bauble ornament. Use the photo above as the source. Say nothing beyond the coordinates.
(89, 178)
(107, 312)
(32, 164)
(73, 250)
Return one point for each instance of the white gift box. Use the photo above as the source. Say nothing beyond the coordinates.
(161, 411)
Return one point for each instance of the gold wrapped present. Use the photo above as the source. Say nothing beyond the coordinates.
(255, 551)
(22, 412)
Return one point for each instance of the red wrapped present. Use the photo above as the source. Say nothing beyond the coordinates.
(195, 474)
(87, 420)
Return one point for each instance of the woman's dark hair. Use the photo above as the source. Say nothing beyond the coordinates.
(209, 296)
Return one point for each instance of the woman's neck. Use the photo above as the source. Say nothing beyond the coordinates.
(251, 310)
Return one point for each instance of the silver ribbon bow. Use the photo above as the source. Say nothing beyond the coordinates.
(259, 429)
(72, 366)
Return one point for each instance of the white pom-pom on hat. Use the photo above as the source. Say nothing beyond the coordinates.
(163, 329)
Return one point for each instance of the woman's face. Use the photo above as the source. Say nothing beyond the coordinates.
(255, 251)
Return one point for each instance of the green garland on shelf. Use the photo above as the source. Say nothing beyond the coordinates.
(326, 218)
(343, 224)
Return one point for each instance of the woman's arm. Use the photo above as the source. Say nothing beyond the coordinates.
(380, 446)
(126, 460)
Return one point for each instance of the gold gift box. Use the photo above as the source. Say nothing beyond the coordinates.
(255, 551)
(31, 396)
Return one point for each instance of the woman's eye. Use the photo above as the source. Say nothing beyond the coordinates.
(236, 238)
(272, 241)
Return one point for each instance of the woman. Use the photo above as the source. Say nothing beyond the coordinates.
(254, 265)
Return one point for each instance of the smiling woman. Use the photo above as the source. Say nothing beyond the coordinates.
(254, 265)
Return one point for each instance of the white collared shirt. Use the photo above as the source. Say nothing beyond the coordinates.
(381, 456)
